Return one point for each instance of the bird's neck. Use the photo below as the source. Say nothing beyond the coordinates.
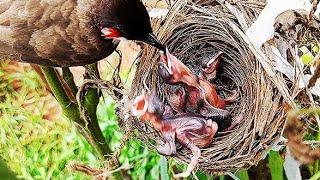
(157, 123)
(153, 119)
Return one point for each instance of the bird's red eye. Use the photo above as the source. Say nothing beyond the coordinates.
(110, 33)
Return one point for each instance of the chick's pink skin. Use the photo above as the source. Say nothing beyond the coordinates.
(196, 87)
(176, 98)
(189, 130)
(211, 94)
(181, 124)
(140, 108)
(179, 73)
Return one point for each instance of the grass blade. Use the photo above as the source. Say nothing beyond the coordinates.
(164, 168)
(275, 165)
(243, 175)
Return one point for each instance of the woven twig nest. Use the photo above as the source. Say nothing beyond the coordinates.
(193, 31)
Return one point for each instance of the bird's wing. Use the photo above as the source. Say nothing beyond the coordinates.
(5, 30)
(6, 33)
(7, 52)
(5, 4)
(50, 32)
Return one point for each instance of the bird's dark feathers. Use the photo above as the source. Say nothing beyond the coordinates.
(68, 32)
(129, 17)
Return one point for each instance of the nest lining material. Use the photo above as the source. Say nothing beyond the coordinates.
(192, 32)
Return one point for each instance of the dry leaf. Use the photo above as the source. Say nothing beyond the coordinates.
(262, 29)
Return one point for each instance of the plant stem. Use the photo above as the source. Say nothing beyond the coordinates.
(316, 176)
(68, 77)
(243, 175)
(90, 103)
(89, 129)
(5, 172)
(70, 109)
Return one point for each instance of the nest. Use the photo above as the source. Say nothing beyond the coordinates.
(194, 30)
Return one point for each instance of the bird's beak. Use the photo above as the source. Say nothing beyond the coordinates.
(153, 41)
(210, 69)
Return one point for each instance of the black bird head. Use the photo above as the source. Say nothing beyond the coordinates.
(127, 19)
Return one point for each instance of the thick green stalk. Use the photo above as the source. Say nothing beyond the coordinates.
(242, 175)
(90, 103)
(70, 109)
(68, 78)
(275, 163)
(90, 128)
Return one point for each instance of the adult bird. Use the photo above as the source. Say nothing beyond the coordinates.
(70, 32)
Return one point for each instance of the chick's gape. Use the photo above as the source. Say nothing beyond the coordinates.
(193, 95)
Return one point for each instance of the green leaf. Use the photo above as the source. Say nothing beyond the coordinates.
(307, 59)
(316, 176)
(164, 168)
(315, 49)
(243, 175)
(201, 175)
(275, 165)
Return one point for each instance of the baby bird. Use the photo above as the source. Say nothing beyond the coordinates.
(190, 130)
(201, 94)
